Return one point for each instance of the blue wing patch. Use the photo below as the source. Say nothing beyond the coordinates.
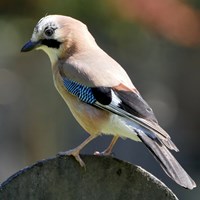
(84, 93)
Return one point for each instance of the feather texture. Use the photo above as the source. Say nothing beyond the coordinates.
(167, 161)
(134, 104)
(111, 100)
(84, 93)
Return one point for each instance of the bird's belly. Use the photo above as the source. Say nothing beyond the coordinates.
(117, 125)
(96, 121)
(90, 118)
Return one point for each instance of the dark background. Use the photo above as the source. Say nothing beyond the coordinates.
(157, 42)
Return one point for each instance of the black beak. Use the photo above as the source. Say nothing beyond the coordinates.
(30, 46)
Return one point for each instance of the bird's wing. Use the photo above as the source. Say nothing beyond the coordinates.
(131, 105)
(122, 101)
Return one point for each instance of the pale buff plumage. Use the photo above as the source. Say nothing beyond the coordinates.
(77, 64)
(75, 55)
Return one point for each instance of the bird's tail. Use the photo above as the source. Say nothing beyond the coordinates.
(167, 161)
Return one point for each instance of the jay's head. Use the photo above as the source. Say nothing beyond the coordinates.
(59, 36)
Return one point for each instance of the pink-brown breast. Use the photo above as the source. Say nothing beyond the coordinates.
(90, 118)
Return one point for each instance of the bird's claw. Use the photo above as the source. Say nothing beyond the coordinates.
(73, 153)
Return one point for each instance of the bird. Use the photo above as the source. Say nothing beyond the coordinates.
(100, 94)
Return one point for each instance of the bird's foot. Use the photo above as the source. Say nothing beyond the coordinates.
(75, 154)
(108, 150)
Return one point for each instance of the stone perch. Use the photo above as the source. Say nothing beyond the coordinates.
(61, 178)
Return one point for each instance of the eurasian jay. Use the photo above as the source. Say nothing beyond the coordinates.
(99, 93)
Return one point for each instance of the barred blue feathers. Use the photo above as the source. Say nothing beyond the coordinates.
(84, 93)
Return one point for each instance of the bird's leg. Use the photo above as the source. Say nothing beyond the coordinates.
(75, 152)
(108, 150)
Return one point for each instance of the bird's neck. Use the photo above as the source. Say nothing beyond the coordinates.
(53, 54)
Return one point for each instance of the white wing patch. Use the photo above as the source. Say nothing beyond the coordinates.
(115, 99)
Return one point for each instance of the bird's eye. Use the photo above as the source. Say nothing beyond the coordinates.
(49, 32)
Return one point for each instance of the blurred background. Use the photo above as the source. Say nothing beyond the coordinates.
(158, 44)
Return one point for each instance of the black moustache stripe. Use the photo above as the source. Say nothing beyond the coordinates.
(51, 43)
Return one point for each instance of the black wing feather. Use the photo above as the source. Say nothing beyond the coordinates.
(102, 94)
(134, 104)
(130, 102)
